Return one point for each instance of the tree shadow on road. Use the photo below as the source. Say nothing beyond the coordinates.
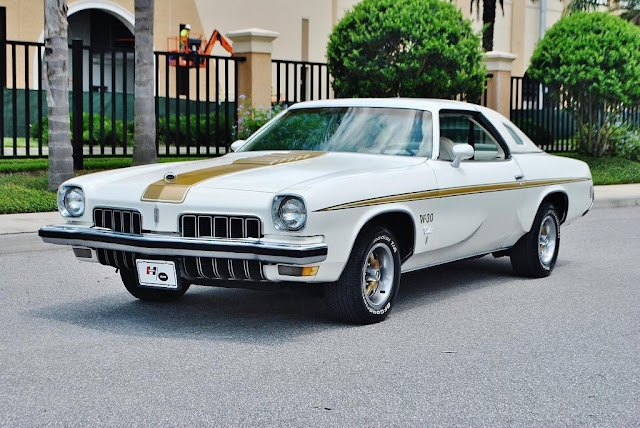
(262, 317)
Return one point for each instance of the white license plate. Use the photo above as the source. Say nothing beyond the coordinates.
(157, 273)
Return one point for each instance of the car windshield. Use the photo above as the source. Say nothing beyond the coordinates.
(391, 131)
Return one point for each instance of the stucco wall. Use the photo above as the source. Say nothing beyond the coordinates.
(516, 31)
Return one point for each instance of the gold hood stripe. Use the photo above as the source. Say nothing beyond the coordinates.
(176, 191)
(451, 191)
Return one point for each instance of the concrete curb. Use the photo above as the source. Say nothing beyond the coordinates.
(615, 196)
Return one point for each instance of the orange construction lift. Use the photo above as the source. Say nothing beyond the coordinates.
(192, 53)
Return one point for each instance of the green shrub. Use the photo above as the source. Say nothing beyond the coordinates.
(628, 145)
(174, 135)
(595, 58)
(86, 133)
(197, 136)
(251, 119)
(407, 48)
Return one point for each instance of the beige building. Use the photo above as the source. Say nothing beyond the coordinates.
(303, 25)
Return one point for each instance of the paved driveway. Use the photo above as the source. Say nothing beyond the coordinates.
(467, 344)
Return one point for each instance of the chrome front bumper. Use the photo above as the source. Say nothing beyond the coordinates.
(167, 245)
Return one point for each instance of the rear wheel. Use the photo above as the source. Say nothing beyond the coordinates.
(367, 288)
(535, 254)
(130, 280)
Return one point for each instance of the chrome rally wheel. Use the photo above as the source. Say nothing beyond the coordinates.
(378, 276)
(547, 238)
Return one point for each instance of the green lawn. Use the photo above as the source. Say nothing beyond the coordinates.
(25, 192)
(610, 170)
(23, 182)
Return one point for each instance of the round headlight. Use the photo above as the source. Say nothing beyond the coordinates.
(71, 201)
(290, 213)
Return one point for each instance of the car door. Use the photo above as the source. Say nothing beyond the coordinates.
(477, 211)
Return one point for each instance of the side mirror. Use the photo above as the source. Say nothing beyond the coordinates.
(235, 146)
(461, 152)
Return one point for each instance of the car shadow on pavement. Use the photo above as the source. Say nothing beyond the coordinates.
(260, 317)
(428, 286)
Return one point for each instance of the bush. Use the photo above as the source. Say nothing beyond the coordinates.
(251, 119)
(201, 136)
(175, 134)
(595, 58)
(628, 146)
(108, 128)
(408, 48)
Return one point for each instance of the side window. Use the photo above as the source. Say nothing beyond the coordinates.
(515, 136)
(464, 129)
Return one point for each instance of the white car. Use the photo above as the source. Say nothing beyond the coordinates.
(348, 193)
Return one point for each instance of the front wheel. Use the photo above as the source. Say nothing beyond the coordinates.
(535, 254)
(130, 280)
(367, 288)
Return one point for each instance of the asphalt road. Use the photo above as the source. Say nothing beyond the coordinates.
(467, 344)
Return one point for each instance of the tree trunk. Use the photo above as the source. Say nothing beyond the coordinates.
(144, 137)
(489, 20)
(56, 57)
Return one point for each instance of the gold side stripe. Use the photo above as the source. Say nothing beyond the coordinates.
(176, 191)
(452, 191)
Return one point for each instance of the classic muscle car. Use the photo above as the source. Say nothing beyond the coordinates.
(347, 193)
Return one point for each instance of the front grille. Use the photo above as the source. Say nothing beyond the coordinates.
(220, 226)
(124, 221)
(117, 220)
(227, 227)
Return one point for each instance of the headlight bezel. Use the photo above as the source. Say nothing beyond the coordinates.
(277, 214)
(63, 203)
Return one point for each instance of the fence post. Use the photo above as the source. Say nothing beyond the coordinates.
(254, 74)
(3, 47)
(76, 102)
(3, 72)
(499, 64)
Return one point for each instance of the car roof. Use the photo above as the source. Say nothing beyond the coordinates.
(413, 103)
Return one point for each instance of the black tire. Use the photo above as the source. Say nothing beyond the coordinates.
(525, 257)
(346, 298)
(130, 280)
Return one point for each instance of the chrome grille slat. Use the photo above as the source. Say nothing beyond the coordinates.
(245, 264)
(223, 227)
(122, 221)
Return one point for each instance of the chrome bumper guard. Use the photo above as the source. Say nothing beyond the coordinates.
(163, 245)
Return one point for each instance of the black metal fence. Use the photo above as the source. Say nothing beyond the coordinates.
(195, 102)
(196, 105)
(18, 106)
(298, 81)
(301, 81)
(546, 120)
(541, 117)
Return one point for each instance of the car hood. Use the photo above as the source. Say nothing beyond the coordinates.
(270, 172)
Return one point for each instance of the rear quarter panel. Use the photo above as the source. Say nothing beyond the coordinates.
(573, 179)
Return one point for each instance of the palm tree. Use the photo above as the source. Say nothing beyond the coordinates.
(144, 137)
(56, 51)
(488, 20)
(632, 10)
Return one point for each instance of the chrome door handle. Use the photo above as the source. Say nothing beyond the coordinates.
(519, 176)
